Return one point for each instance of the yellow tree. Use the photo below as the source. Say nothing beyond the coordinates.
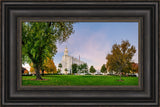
(120, 57)
(32, 70)
(49, 66)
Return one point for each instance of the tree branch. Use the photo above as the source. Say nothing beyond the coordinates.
(31, 57)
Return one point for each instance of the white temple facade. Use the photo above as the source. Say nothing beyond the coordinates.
(67, 62)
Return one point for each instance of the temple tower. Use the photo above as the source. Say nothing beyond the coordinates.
(66, 52)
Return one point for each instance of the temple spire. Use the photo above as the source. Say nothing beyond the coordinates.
(66, 51)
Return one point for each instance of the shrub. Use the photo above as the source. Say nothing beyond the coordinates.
(87, 74)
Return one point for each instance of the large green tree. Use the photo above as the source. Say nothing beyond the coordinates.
(39, 41)
(92, 69)
(103, 69)
(120, 58)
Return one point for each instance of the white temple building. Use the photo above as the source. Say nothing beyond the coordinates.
(67, 62)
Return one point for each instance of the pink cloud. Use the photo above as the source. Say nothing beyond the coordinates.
(93, 50)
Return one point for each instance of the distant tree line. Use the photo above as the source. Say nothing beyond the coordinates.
(82, 68)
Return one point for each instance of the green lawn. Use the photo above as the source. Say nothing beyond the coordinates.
(79, 80)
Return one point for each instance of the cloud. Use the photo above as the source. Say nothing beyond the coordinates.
(92, 45)
(92, 49)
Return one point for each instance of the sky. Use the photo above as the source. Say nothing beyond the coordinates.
(92, 41)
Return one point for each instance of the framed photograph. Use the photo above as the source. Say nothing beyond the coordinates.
(86, 53)
(81, 53)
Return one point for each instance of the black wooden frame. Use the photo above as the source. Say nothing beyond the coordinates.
(146, 13)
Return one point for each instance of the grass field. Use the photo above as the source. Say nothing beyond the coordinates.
(79, 80)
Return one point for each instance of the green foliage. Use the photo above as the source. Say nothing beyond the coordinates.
(58, 71)
(60, 66)
(39, 41)
(84, 68)
(120, 58)
(92, 69)
(74, 68)
(126, 69)
(66, 69)
(103, 69)
(80, 67)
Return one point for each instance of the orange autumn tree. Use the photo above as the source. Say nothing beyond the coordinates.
(32, 70)
(134, 68)
(26, 72)
(48, 65)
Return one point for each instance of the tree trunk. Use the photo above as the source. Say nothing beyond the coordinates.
(42, 72)
(38, 76)
(120, 75)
